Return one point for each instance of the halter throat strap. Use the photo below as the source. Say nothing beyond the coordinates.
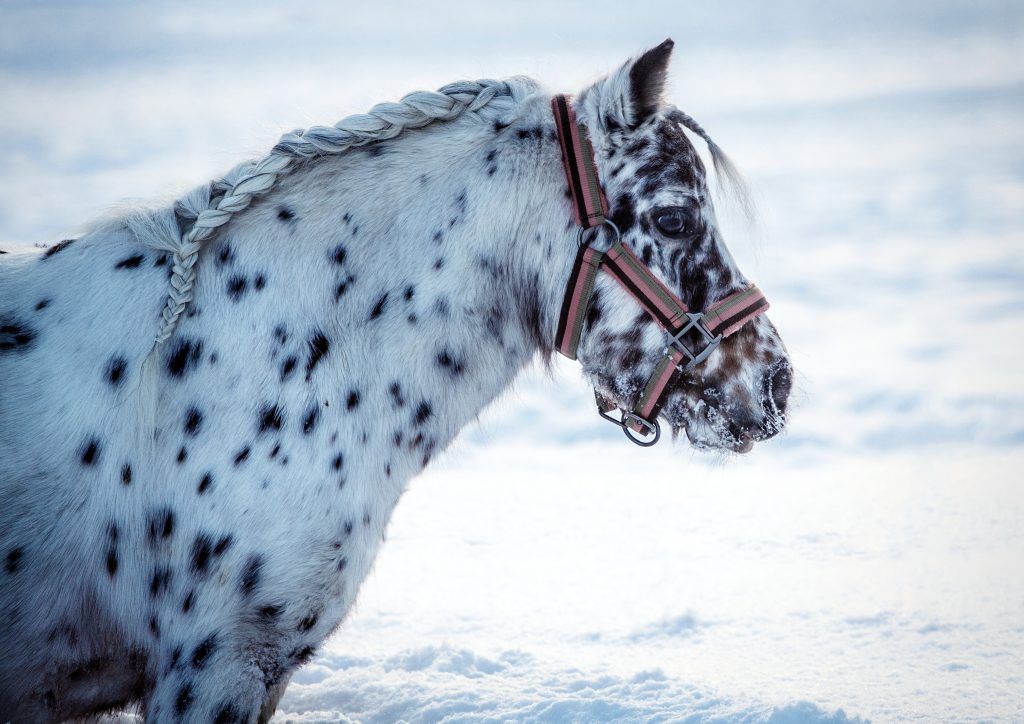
(680, 324)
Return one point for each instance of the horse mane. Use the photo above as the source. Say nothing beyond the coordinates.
(208, 207)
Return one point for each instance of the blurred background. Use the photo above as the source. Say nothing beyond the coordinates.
(868, 565)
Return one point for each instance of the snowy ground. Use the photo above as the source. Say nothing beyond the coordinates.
(869, 565)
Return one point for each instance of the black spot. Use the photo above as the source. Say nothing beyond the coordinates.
(184, 356)
(378, 308)
(534, 133)
(397, 399)
(175, 657)
(154, 627)
(202, 549)
(410, 291)
(61, 246)
(204, 483)
(42, 304)
(112, 562)
(452, 364)
(309, 422)
(15, 335)
(285, 214)
(348, 527)
(438, 236)
(288, 367)
(270, 418)
(161, 525)
(338, 461)
(423, 413)
(237, 286)
(259, 282)
(13, 559)
(160, 581)
(225, 254)
(91, 452)
(338, 255)
(193, 421)
(183, 700)
(242, 456)
(275, 450)
(302, 655)
(161, 259)
(319, 346)
(126, 474)
(353, 400)
(203, 651)
(438, 263)
(499, 126)
(130, 262)
(222, 545)
(250, 579)
(182, 455)
(227, 714)
(115, 370)
(270, 611)
(190, 600)
(342, 288)
(308, 622)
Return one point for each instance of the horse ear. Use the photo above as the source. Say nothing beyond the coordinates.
(630, 95)
(647, 80)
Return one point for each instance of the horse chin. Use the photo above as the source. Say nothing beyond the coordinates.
(706, 430)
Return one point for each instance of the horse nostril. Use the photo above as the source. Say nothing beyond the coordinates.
(777, 383)
(782, 382)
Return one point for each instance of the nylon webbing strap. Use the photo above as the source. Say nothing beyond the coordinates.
(577, 299)
(727, 315)
(646, 288)
(588, 201)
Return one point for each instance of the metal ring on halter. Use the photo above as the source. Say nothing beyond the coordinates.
(652, 428)
(609, 222)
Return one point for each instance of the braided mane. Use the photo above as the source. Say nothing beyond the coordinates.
(212, 205)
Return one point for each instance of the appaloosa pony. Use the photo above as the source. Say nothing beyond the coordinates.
(208, 411)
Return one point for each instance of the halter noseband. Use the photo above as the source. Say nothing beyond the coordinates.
(712, 325)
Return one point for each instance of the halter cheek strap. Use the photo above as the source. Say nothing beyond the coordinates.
(720, 320)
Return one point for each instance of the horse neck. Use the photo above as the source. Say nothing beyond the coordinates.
(396, 289)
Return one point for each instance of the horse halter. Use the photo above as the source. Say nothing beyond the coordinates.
(718, 321)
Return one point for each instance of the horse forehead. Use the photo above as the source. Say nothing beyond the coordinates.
(658, 156)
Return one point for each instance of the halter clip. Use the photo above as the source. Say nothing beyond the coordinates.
(709, 340)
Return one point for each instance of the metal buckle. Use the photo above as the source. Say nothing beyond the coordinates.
(676, 341)
(609, 222)
(652, 428)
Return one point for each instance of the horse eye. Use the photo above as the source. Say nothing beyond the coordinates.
(674, 221)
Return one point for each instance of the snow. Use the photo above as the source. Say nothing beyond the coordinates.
(867, 566)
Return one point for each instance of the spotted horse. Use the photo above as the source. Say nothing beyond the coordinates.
(205, 426)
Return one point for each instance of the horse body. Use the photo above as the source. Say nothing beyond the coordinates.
(184, 526)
